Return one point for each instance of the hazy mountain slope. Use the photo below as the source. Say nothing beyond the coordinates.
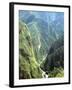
(43, 35)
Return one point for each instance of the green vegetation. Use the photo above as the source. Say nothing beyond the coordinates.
(57, 72)
(28, 66)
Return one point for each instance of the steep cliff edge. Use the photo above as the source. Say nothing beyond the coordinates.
(28, 66)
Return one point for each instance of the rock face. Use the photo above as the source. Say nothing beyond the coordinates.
(28, 66)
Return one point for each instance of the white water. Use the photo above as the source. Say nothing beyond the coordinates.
(44, 75)
(39, 46)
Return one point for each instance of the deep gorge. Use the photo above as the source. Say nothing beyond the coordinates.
(41, 45)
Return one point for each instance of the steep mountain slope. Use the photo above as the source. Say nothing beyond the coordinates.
(28, 66)
(39, 43)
